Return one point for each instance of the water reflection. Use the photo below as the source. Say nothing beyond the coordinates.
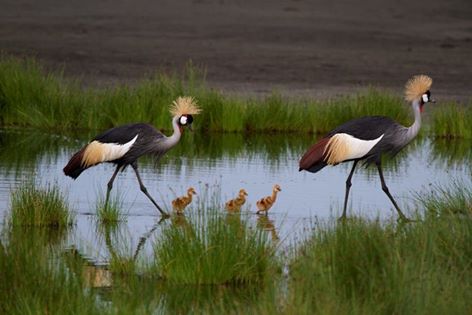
(92, 274)
(219, 165)
(452, 152)
(266, 224)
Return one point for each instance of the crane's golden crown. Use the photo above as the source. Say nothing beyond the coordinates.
(184, 105)
(417, 86)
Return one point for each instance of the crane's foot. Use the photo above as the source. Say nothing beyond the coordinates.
(404, 219)
(164, 215)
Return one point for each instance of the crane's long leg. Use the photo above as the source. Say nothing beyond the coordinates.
(348, 188)
(385, 189)
(144, 190)
(110, 185)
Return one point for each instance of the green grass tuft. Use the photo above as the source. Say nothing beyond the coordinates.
(210, 250)
(452, 121)
(367, 267)
(455, 199)
(111, 214)
(39, 207)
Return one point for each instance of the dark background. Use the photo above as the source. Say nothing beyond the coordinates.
(300, 47)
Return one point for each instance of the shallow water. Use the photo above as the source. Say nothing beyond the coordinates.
(218, 166)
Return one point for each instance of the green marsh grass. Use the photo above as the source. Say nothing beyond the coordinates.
(359, 267)
(369, 267)
(207, 249)
(452, 121)
(452, 200)
(32, 97)
(122, 262)
(39, 207)
(34, 280)
(113, 213)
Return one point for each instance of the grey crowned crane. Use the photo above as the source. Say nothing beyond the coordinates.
(123, 145)
(368, 138)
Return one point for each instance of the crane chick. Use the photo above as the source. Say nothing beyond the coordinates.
(234, 205)
(264, 204)
(179, 204)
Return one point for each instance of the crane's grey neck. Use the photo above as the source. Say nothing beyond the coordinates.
(172, 140)
(415, 127)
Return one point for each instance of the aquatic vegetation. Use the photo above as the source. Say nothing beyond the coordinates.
(35, 281)
(454, 199)
(365, 267)
(113, 213)
(207, 249)
(452, 121)
(208, 264)
(39, 206)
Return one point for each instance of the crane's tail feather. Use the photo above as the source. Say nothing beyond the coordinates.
(313, 160)
(75, 166)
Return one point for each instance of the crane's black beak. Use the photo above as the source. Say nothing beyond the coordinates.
(432, 100)
(190, 127)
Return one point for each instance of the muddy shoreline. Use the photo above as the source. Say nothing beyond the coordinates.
(298, 47)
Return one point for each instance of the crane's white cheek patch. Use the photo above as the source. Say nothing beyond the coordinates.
(425, 98)
(342, 147)
(97, 152)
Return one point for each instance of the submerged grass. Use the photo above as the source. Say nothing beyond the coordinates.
(39, 207)
(31, 97)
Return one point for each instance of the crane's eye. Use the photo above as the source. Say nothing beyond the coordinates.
(425, 98)
(183, 120)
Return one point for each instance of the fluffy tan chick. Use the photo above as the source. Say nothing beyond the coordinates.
(264, 204)
(180, 203)
(234, 205)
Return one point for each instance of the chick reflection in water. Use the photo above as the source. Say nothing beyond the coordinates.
(96, 276)
(93, 275)
(266, 224)
(179, 221)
